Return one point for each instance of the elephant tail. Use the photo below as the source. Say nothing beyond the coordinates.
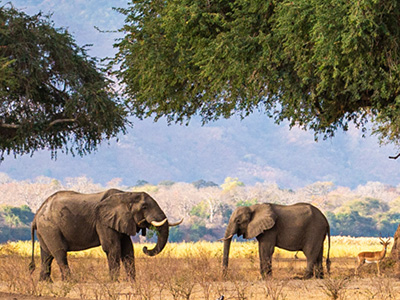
(32, 264)
(328, 261)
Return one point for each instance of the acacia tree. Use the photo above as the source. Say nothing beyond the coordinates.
(52, 94)
(321, 65)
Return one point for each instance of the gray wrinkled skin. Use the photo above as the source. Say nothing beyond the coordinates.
(298, 227)
(71, 221)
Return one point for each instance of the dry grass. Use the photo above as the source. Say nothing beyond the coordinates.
(192, 271)
(341, 247)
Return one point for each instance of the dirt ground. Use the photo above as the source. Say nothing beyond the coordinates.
(244, 281)
(12, 296)
(291, 289)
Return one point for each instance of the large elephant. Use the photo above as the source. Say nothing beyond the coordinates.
(294, 227)
(71, 221)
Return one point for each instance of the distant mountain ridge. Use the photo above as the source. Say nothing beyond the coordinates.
(254, 150)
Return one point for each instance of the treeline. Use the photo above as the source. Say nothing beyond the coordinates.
(366, 217)
(15, 223)
(369, 210)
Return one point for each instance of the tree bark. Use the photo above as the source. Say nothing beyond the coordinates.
(395, 254)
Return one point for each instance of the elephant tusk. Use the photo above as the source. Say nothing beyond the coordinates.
(175, 224)
(158, 224)
(140, 222)
(227, 238)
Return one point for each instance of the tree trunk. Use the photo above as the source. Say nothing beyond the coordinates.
(395, 254)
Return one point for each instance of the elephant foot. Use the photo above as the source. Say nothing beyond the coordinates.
(114, 278)
(308, 275)
(131, 278)
(45, 278)
(114, 274)
(266, 275)
(66, 275)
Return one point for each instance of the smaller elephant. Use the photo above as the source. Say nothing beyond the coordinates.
(71, 221)
(298, 227)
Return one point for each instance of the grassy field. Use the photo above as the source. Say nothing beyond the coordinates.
(193, 271)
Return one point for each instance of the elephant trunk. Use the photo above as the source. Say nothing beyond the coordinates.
(230, 231)
(162, 238)
(227, 246)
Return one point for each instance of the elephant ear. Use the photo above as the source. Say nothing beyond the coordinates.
(263, 218)
(113, 212)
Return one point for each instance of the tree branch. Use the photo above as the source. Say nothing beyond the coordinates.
(52, 123)
(12, 126)
(61, 121)
(395, 157)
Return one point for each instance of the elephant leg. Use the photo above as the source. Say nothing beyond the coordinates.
(265, 250)
(312, 255)
(46, 259)
(61, 257)
(309, 270)
(54, 243)
(111, 243)
(113, 252)
(318, 268)
(127, 257)
(113, 264)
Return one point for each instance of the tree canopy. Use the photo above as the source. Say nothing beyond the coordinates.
(367, 210)
(53, 95)
(321, 65)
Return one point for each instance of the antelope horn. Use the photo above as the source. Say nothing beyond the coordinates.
(158, 224)
(227, 238)
(175, 224)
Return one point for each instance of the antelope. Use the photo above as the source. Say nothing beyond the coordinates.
(372, 257)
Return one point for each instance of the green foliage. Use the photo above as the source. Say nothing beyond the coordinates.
(152, 233)
(201, 210)
(367, 207)
(141, 183)
(231, 183)
(14, 234)
(176, 234)
(352, 224)
(226, 212)
(318, 64)
(368, 217)
(166, 183)
(388, 223)
(203, 184)
(196, 232)
(15, 223)
(246, 202)
(52, 94)
(17, 216)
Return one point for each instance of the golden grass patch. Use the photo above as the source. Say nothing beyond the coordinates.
(340, 247)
